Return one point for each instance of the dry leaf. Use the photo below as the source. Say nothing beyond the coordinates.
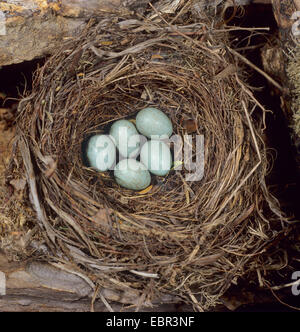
(145, 191)
(18, 184)
(190, 126)
(106, 42)
(52, 164)
(124, 41)
(157, 57)
(6, 114)
(22, 220)
(229, 70)
(144, 95)
(101, 218)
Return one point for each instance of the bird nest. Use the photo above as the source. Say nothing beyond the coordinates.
(180, 239)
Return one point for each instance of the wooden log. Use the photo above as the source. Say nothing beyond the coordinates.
(34, 28)
(36, 286)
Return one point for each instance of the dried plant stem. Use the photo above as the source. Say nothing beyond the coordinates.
(260, 71)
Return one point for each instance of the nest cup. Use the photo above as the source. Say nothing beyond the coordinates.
(178, 240)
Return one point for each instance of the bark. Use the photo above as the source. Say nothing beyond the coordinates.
(34, 28)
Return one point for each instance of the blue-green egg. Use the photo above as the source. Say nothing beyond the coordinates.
(157, 157)
(131, 174)
(151, 121)
(101, 152)
(126, 137)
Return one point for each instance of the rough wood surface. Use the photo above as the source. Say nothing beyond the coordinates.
(34, 28)
(284, 11)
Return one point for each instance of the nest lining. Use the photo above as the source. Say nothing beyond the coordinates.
(187, 239)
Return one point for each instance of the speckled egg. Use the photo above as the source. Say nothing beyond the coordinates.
(151, 121)
(131, 174)
(126, 138)
(156, 156)
(101, 152)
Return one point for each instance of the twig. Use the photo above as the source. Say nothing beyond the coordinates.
(96, 292)
(184, 35)
(41, 217)
(131, 50)
(233, 28)
(194, 300)
(280, 301)
(249, 63)
(294, 283)
(145, 274)
(108, 306)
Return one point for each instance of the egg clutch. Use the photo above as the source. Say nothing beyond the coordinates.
(131, 141)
